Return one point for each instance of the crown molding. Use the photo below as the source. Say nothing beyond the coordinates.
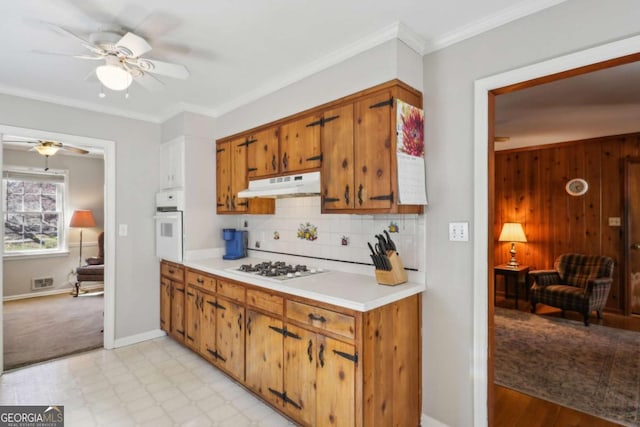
(490, 22)
(396, 30)
(387, 33)
(74, 103)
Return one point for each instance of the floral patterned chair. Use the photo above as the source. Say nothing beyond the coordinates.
(578, 283)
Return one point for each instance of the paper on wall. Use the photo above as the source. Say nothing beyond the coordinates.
(410, 155)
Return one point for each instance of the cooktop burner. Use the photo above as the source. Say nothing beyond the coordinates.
(279, 270)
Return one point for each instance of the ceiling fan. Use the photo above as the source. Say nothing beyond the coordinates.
(122, 59)
(47, 148)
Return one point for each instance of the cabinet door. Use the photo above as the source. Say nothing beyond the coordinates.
(172, 164)
(264, 356)
(192, 319)
(300, 374)
(208, 327)
(165, 304)
(262, 153)
(230, 337)
(335, 383)
(238, 174)
(223, 177)
(177, 310)
(300, 144)
(373, 152)
(336, 136)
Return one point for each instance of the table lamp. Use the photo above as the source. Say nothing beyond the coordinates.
(82, 218)
(512, 232)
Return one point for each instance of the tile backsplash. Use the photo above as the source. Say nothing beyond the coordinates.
(298, 228)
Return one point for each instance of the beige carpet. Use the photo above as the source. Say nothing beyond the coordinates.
(37, 329)
(594, 369)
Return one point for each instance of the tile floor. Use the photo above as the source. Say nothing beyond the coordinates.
(154, 383)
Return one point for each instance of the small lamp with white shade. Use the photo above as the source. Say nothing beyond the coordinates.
(512, 232)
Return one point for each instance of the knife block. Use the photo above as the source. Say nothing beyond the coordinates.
(396, 276)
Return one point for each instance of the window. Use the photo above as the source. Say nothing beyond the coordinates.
(34, 206)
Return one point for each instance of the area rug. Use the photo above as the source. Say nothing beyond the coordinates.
(593, 369)
(44, 328)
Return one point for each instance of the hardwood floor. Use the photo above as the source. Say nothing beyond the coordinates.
(515, 409)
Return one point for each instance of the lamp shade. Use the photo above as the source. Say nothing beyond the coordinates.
(512, 232)
(47, 150)
(113, 75)
(82, 218)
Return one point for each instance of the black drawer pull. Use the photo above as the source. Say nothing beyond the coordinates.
(315, 318)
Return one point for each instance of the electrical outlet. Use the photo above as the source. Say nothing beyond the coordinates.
(459, 231)
(614, 221)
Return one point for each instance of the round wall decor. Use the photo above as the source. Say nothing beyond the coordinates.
(577, 187)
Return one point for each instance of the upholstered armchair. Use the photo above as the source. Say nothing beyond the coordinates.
(93, 270)
(577, 283)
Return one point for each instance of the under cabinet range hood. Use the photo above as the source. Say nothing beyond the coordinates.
(305, 184)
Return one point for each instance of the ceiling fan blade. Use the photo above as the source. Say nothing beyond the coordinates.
(168, 69)
(82, 41)
(74, 149)
(133, 45)
(71, 55)
(149, 82)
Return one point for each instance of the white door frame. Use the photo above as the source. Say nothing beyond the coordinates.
(481, 209)
(109, 148)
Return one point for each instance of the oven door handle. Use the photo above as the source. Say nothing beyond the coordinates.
(166, 217)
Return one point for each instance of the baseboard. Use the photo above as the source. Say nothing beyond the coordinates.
(53, 292)
(134, 339)
(427, 421)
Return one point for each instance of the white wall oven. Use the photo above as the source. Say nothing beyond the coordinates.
(169, 229)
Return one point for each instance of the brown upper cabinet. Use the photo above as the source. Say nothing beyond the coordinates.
(359, 170)
(300, 144)
(352, 141)
(232, 177)
(231, 170)
(263, 158)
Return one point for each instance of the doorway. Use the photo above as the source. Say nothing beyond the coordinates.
(632, 235)
(108, 190)
(485, 90)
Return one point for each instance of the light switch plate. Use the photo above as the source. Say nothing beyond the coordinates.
(459, 231)
(123, 230)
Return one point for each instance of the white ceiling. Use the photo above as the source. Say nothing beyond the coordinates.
(236, 51)
(600, 103)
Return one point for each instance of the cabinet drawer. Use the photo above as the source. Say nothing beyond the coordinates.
(201, 280)
(230, 290)
(171, 271)
(331, 321)
(266, 301)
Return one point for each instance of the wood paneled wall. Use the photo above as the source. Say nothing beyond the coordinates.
(530, 189)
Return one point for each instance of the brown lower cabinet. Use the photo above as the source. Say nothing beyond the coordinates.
(172, 299)
(318, 364)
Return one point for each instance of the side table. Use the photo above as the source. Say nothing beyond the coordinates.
(511, 273)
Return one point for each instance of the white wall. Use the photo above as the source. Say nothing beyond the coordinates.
(85, 191)
(449, 75)
(367, 69)
(137, 158)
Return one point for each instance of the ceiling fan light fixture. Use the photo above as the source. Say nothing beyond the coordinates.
(113, 75)
(47, 150)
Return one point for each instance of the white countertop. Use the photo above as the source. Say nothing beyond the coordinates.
(349, 290)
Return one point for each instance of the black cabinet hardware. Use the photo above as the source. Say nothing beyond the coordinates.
(352, 357)
(387, 197)
(314, 317)
(388, 102)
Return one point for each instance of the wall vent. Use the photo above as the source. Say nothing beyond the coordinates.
(41, 283)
